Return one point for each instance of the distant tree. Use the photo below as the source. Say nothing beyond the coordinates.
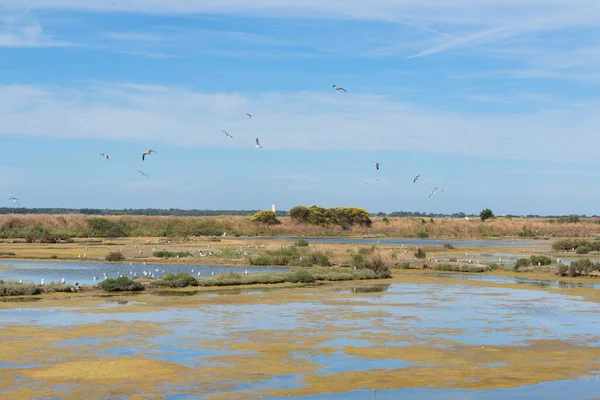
(486, 214)
(266, 217)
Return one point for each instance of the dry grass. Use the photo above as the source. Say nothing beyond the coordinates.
(77, 226)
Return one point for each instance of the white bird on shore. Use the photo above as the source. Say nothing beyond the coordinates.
(257, 145)
(62, 280)
(147, 153)
(42, 282)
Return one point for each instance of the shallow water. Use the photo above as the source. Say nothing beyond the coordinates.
(84, 272)
(246, 343)
(552, 283)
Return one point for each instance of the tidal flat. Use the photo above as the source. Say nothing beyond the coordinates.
(422, 335)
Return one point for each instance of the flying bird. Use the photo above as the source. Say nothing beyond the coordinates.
(143, 173)
(416, 178)
(147, 153)
(257, 145)
(375, 181)
(339, 88)
(14, 200)
(377, 164)
(250, 115)
(434, 190)
(227, 134)
(103, 155)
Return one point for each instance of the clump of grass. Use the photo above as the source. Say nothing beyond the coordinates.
(448, 246)
(574, 244)
(291, 256)
(404, 265)
(171, 254)
(180, 280)
(260, 260)
(378, 264)
(18, 289)
(300, 276)
(540, 260)
(583, 249)
(56, 288)
(121, 284)
(7, 254)
(460, 268)
(114, 256)
(301, 243)
(522, 263)
(420, 254)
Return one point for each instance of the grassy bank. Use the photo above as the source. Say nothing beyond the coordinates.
(182, 280)
(50, 228)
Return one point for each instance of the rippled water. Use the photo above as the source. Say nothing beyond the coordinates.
(431, 313)
(84, 272)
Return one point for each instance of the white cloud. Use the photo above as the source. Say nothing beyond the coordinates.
(303, 121)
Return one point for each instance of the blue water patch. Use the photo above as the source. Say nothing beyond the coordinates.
(84, 272)
(583, 389)
(340, 362)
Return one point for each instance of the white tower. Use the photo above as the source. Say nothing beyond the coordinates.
(274, 208)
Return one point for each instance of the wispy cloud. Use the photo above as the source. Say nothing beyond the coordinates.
(310, 121)
(28, 36)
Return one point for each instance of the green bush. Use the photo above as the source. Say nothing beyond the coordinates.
(170, 254)
(404, 265)
(448, 246)
(102, 227)
(260, 260)
(583, 250)
(7, 254)
(420, 254)
(377, 264)
(521, 263)
(540, 260)
(459, 268)
(180, 280)
(579, 268)
(114, 256)
(300, 276)
(18, 289)
(266, 217)
(572, 244)
(301, 243)
(122, 284)
(56, 288)
(422, 234)
(299, 214)
(342, 216)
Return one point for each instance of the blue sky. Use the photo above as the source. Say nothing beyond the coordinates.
(496, 101)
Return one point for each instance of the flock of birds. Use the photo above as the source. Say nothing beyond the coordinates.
(258, 146)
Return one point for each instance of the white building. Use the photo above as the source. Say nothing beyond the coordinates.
(274, 208)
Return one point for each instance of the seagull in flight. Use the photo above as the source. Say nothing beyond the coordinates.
(250, 115)
(416, 178)
(104, 155)
(434, 190)
(257, 145)
(143, 173)
(377, 164)
(375, 181)
(14, 200)
(147, 153)
(227, 134)
(339, 88)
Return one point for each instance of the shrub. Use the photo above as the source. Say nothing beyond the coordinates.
(114, 256)
(385, 220)
(459, 268)
(420, 254)
(122, 284)
(578, 268)
(540, 260)
(170, 254)
(102, 227)
(266, 217)
(299, 214)
(376, 263)
(583, 250)
(404, 265)
(301, 243)
(180, 280)
(486, 214)
(7, 254)
(448, 246)
(569, 219)
(260, 260)
(342, 216)
(18, 289)
(521, 263)
(300, 276)
(56, 288)
(422, 234)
